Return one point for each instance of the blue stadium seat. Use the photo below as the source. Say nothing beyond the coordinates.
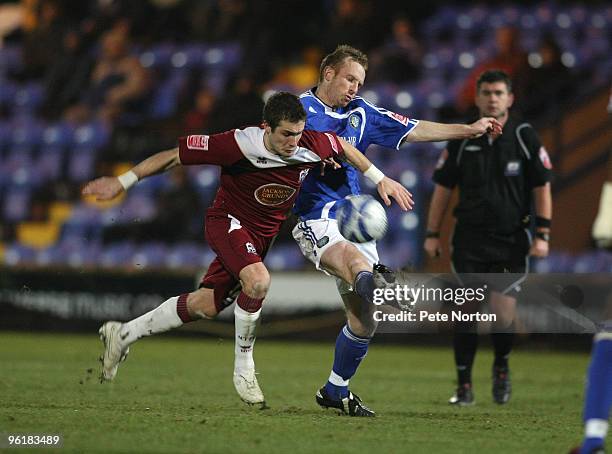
(49, 164)
(58, 135)
(149, 255)
(81, 165)
(93, 135)
(10, 59)
(117, 254)
(189, 255)
(26, 132)
(189, 57)
(157, 57)
(27, 99)
(16, 254)
(285, 257)
(16, 204)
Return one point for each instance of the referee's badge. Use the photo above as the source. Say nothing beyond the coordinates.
(513, 168)
(544, 158)
(354, 120)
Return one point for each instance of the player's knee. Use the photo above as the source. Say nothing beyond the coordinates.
(363, 328)
(201, 304)
(256, 284)
(356, 261)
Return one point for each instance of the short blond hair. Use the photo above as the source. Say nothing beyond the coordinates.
(341, 53)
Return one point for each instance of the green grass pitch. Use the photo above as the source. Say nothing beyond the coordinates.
(176, 395)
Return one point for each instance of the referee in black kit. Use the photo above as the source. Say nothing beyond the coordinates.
(498, 178)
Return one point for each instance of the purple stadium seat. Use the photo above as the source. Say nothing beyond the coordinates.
(157, 57)
(190, 57)
(10, 59)
(93, 135)
(26, 132)
(16, 205)
(49, 164)
(81, 165)
(117, 254)
(27, 99)
(58, 135)
(16, 254)
(223, 56)
(150, 255)
(284, 257)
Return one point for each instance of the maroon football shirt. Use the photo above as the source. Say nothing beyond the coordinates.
(258, 187)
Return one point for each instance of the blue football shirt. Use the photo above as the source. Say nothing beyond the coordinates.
(361, 124)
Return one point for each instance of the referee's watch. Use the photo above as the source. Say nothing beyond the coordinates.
(543, 236)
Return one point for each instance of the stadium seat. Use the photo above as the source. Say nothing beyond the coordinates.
(10, 59)
(37, 235)
(189, 57)
(48, 165)
(149, 255)
(81, 165)
(26, 132)
(285, 257)
(17, 254)
(58, 135)
(117, 254)
(27, 99)
(157, 57)
(188, 255)
(93, 135)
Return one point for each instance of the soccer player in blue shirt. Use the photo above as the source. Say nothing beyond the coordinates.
(334, 106)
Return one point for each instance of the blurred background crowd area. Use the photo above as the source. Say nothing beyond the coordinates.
(87, 88)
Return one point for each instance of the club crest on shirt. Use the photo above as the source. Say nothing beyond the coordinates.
(354, 120)
(273, 194)
(197, 142)
(303, 175)
(250, 248)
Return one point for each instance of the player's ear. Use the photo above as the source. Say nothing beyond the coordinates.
(266, 127)
(328, 73)
(510, 99)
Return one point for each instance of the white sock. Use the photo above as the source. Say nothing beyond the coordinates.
(163, 318)
(246, 328)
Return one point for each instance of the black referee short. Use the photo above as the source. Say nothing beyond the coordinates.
(481, 253)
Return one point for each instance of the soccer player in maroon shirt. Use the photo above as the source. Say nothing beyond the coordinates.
(262, 170)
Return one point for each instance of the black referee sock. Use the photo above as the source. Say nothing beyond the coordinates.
(502, 344)
(465, 345)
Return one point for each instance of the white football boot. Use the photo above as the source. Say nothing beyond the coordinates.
(247, 388)
(114, 352)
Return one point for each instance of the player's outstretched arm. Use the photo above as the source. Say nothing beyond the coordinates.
(386, 186)
(429, 131)
(107, 188)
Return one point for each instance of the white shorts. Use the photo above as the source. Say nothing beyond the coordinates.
(315, 236)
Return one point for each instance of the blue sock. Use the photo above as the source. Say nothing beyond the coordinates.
(598, 397)
(350, 350)
(364, 286)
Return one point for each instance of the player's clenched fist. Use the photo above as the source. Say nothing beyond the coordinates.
(486, 125)
(104, 188)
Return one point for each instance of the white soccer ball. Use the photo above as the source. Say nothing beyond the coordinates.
(361, 218)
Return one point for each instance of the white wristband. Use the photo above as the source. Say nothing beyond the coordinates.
(374, 174)
(128, 179)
